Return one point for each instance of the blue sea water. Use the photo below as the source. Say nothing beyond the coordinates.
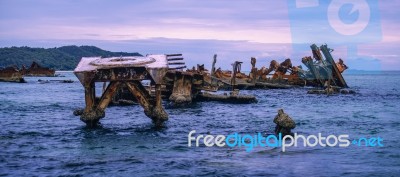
(39, 135)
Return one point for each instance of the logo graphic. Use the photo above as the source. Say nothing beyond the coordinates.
(337, 23)
(358, 9)
(249, 141)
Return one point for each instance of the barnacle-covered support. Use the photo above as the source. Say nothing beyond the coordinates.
(182, 88)
(119, 72)
(152, 106)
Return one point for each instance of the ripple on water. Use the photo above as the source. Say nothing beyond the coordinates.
(39, 135)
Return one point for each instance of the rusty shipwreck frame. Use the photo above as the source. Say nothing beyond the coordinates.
(122, 71)
(322, 69)
(168, 79)
(164, 71)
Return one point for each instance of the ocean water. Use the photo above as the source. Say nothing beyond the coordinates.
(39, 135)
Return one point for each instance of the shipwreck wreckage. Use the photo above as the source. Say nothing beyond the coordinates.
(323, 72)
(128, 73)
(125, 77)
(14, 74)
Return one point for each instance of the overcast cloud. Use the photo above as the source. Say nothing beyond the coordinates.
(235, 30)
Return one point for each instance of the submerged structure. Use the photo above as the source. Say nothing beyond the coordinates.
(273, 77)
(322, 72)
(124, 81)
(11, 74)
(122, 71)
(127, 78)
(284, 123)
(232, 97)
(14, 74)
(38, 71)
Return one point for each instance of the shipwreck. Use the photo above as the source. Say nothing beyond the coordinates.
(14, 74)
(323, 72)
(11, 74)
(118, 71)
(124, 82)
(38, 71)
(150, 79)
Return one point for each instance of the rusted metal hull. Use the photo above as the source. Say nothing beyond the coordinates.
(38, 71)
(281, 76)
(11, 74)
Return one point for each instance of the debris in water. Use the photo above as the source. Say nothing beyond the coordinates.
(284, 123)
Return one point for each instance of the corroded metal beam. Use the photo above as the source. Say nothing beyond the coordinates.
(108, 94)
(91, 115)
(316, 52)
(335, 71)
(236, 69)
(119, 70)
(90, 95)
(176, 63)
(175, 59)
(121, 74)
(179, 67)
(308, 61)
(152, 108)
(213, 65)
(253, 73)
(174, 55)
(140, 93)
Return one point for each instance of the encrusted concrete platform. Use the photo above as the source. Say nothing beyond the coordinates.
(119, 71)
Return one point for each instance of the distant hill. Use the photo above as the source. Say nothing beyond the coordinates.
(61, 58)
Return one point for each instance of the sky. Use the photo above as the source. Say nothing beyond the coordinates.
(362, 32)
